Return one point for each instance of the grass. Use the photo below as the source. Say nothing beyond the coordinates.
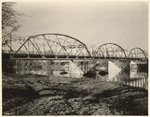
(44, 95)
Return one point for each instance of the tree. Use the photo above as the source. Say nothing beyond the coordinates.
(10, 21)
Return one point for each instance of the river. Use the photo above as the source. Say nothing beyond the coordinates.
(133, 78)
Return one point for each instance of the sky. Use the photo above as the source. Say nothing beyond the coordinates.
(92, 22)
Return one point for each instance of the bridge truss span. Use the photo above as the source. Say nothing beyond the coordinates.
(137, 54)
(109, 51)
(52, 45)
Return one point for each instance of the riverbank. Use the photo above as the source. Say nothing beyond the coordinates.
(43, 95)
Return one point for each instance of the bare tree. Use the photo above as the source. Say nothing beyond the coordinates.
(10, 21)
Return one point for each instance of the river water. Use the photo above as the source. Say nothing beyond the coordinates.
(133, 78)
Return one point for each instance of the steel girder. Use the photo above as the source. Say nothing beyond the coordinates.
(52, 45)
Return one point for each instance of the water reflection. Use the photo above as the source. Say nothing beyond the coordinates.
(133, 78)
(134, 73)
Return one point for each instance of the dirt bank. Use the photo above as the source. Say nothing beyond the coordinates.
(43, 95)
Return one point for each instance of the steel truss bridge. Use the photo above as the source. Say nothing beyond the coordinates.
(60, 46)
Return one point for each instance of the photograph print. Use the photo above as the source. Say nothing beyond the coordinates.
(74, 58)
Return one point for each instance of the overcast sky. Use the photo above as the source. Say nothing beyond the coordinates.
(124, 23)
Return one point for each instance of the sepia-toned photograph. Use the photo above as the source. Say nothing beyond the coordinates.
(74, 58)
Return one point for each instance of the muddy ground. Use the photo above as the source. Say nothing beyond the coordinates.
(43, 95)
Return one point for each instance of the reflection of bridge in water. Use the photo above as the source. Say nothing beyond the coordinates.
(132, 78)
(57, 53)
(138, 82)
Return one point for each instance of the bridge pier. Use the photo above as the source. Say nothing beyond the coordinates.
(60, 68)
(110, 65)
(72, 68)
(140, 65)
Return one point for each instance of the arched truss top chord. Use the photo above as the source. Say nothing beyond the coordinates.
(13, 44)
(52, 45)
(137, 53)
(110, 51)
